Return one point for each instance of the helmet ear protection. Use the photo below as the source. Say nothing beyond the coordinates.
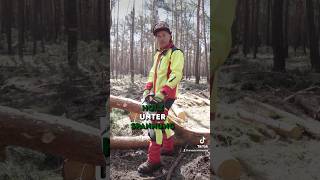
(161, 26)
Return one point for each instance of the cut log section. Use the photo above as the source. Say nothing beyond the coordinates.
(134, 116)
(191, 136)
(180, 113)
(310, 125)
(224, 165)
(51, 134)
(281, 128)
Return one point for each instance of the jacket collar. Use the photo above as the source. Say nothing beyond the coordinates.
(165, 49)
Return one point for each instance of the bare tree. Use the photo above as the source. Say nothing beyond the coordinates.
(131, 45)
(205, 42)
(197, 73)
(313, 37)
(72, 32)
(277, 36)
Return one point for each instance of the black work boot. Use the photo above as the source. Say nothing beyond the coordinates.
(147, 167)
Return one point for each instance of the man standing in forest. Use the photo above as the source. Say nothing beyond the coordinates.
(164, 77)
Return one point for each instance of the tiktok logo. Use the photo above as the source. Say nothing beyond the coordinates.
(202, 140)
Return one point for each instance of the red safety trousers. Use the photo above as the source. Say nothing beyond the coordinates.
(154, 150)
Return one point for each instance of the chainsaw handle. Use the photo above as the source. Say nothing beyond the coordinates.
(148, 98)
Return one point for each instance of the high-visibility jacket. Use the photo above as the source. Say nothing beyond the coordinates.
(221, 39)
(166, 72)
(164, 77)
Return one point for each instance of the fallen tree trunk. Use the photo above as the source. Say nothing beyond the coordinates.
(280, 127)
(125, 104)
(205, 101)
(51, 134)
(309, 105)
(198, 102)
(224, 165)
(190, 135)
(310, 125)
(299, 92)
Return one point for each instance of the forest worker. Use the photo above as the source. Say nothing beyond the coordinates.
(164, 77)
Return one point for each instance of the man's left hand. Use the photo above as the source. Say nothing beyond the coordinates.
(159, 97)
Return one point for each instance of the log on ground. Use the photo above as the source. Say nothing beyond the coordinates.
(310, 125)
(280, 127)
(225, 165)
(51, 134)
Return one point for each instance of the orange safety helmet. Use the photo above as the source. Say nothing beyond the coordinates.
(161, 26)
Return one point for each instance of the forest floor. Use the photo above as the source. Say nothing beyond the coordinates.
(45, 84)
(263, 153)
(193, 165)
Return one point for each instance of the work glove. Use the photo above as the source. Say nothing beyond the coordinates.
(159, 97)
(145, 93)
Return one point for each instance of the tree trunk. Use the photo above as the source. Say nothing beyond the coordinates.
(313, 37)
(245, 48)
(298, 30)
(197, 64)
(269, 2)
(100, 26)
(8, 24)
(35, 27)
(115, 58)
(141, 46)
(256, 29)
(131, 46)
(51, 134)
(72, 32)
(286, 24)
(57, 22)
(277, 37)
(252, 24)
(21, 15)
(176, 22)
(205, 43)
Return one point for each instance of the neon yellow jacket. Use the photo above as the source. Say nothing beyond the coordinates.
(166, 72)
(221, 22)
(164, 77)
